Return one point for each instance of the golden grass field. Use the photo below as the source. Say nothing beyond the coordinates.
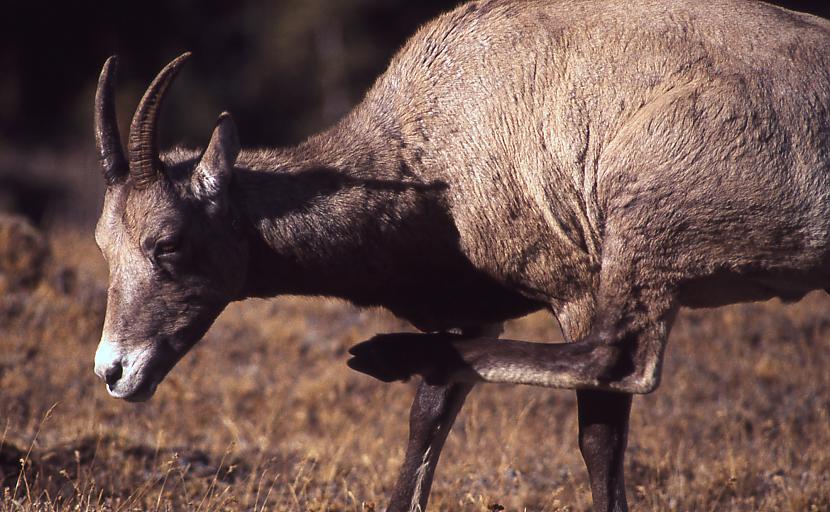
(264, 414)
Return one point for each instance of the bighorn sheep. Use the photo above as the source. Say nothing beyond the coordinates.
(608, 161)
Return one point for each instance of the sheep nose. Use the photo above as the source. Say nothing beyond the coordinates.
(113, 373)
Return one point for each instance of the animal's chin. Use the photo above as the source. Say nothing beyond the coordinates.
(140, 393)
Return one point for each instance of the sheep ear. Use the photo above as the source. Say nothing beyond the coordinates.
(213, 173)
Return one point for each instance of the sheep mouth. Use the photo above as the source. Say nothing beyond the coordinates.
(148, 370)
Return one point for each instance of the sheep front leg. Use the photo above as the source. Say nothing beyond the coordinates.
(432, 415)
(431, 418)
(622, 351)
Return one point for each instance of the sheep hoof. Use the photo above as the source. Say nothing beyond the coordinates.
(399, 356)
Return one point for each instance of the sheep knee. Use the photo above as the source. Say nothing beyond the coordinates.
(634, 375)
(628, 366)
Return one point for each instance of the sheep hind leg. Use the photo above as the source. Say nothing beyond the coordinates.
(603, 435)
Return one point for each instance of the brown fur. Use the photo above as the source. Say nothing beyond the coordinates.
(608, 161)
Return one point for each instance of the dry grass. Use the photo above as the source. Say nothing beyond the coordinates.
(264, 414)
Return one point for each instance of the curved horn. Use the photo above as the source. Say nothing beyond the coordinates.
(107, 138)
(142, 144)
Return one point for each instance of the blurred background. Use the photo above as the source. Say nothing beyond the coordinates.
(283, 68)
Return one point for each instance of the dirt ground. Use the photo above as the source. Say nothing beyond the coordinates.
(265, 415)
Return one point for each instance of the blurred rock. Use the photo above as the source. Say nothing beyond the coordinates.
(24, 253)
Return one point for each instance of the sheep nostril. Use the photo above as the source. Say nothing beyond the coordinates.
(113, 373)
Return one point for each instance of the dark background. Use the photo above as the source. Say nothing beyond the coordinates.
(284, 69)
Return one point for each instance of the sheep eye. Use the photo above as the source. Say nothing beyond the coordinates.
(166, 247)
